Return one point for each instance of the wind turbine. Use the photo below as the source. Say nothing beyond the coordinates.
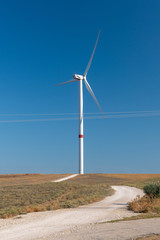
(81, 79)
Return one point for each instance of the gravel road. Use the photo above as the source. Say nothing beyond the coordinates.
(126, 230)
(77, 223)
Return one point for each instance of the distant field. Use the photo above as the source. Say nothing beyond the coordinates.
(93, 178)
(23, 179)
(137, 180)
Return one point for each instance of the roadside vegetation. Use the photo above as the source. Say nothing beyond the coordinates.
(150, 237)
(136, 217)
(22, 199)
(150, 202)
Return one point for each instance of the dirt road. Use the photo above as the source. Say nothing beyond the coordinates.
(52, 224)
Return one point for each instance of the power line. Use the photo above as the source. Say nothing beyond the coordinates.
(111, 116)
(65, 114)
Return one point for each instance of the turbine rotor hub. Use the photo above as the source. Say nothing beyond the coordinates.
(78, 77)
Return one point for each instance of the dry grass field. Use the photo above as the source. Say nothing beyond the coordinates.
(136, 180)
(23, 179)
(21, 199)
(22, 193)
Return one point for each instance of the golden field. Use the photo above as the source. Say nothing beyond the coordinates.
(92, 178)
(18, 179)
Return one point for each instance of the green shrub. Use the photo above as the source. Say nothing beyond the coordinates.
(66, 205)
(157, 209)
(152, 190)
(13, 212)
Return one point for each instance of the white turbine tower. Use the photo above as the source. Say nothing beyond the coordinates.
(81, 79)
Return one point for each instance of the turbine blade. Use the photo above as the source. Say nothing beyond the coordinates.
(89, 63)
(92, 94)
(73, 80)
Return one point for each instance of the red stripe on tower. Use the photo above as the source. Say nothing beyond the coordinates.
(81, 136)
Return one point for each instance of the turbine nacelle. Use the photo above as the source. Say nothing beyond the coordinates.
(78, 77)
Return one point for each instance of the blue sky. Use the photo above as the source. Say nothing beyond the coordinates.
(43, 43)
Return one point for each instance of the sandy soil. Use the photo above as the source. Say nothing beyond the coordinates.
(53, 224)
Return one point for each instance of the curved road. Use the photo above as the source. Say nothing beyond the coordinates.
(51, 224)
